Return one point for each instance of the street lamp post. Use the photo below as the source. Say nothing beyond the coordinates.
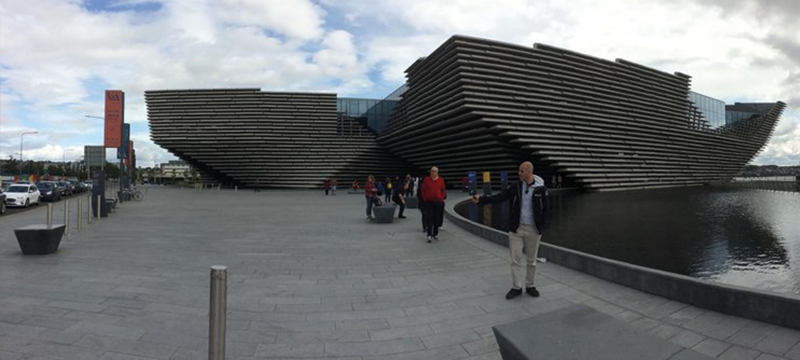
(21, 139)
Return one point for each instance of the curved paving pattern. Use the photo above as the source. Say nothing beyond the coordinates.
(309, 278)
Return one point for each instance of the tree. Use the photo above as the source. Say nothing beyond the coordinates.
(28, 167)
(11, 166)
(112, 170)
(38, 168)
(53, 170)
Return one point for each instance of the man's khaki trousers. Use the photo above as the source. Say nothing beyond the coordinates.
(528, 236)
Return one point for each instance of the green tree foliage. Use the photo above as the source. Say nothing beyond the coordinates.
(112, 171)
(11, 166)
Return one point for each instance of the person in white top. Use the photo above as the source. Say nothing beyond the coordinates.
(526, 223)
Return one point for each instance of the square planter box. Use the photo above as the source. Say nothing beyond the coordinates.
(39, 239)
(384, 214)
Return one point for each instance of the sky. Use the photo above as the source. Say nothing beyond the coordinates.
(57, 57)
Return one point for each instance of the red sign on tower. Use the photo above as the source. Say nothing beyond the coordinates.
(115, 116)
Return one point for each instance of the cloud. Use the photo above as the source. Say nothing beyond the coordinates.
(784, 148)
(59, 56)
(301, 20)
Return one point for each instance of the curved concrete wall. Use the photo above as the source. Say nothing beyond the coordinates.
(773, 308)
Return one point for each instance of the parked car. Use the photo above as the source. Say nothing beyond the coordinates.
(2, 202)
(49, 190)
(77, 187)
(62, 191)
(22, 195)
(88, 184)
(83, 187)
(67, 188)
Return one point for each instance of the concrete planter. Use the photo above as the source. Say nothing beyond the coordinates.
(384, 214)
(39, 239)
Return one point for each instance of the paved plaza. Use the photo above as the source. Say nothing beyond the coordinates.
(309, 277)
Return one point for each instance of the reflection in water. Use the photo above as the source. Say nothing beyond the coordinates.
(741, 237)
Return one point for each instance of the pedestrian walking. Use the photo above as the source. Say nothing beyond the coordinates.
(334, 183)
(422, 206)
(370, 193)
(258, 187)
(400, 199)
(434, 194)
(410, 188)
(327, 186)
(388, 194)
(380, 188)
(527, 201)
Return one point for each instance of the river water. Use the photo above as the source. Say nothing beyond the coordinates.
(743, 237)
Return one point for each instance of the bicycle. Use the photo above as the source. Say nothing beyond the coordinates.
(133, 194)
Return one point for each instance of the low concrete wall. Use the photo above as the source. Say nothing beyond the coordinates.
(769, 307)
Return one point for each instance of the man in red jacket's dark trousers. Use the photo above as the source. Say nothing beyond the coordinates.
(433, 194)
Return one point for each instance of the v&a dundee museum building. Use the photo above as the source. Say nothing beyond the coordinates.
(472, 105)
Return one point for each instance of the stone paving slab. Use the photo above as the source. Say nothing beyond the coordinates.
(309, 277)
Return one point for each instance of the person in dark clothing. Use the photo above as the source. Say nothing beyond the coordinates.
(433, 192)
(527, 208)
(327, 186)
(421, 205)
(410, 183)
(388, 187)
(399, 198)
(379, 187)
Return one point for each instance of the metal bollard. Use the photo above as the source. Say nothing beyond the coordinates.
(80, 213)
(99, 209)
(50, 214)
(89, 209)
(66, 217)
(217, 312)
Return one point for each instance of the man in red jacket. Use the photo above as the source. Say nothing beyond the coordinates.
(433, 194)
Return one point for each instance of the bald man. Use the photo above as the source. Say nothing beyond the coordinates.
(528, 206)
(433, 195)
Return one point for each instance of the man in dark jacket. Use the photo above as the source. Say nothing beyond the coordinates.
(526, 223)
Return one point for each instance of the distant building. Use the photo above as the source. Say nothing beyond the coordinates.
(171, 171)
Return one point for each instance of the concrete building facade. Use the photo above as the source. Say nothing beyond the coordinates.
(474, 105)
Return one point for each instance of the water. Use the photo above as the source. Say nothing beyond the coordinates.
(742, 237)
